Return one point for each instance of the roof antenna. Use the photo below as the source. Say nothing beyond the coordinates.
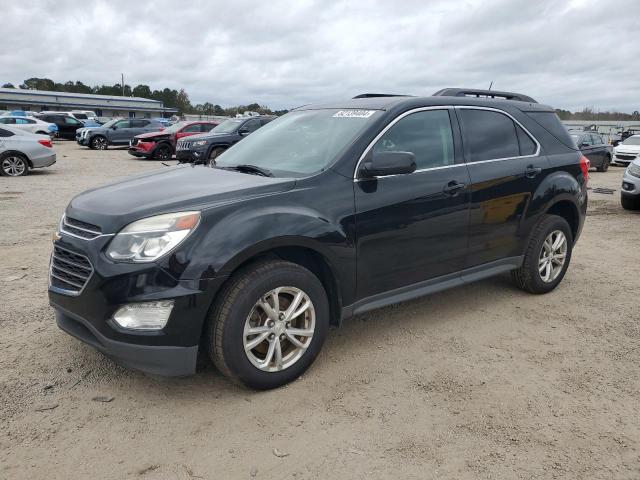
(491, 85)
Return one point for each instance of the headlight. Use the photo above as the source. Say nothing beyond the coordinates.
(148, 239)
(634, 170)
(199, 143)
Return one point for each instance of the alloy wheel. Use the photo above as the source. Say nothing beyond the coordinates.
(13, 166)
(552, 256)
(279, 329)
(99, 143)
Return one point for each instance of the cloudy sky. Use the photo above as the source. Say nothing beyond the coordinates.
(569, 54)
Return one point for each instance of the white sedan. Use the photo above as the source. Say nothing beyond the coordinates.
(30, 124)
(21, 151)
(626, 152)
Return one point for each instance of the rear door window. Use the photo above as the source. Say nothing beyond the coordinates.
(488, 135)
(195, 128)
(426, 134)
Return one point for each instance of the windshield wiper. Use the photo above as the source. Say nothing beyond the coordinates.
(250, 169)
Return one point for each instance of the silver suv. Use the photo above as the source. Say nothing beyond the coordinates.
(630, 195)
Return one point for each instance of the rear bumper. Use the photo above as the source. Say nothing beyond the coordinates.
(44, 161)
(160, 360)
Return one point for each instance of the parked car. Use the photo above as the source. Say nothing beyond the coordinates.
(67, 125)
(205, 148)
(626, 152)
(21, 151)
(162, 145)
(31, 125)
(594, 148)
(15, 113)
(119, 132)
(623, 135)
(324, 213)
(630, 194)
(81, 133)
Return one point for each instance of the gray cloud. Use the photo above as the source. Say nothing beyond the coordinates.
(287, 53)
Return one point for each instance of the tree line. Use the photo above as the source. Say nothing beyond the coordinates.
(170, 98)
(589, 113)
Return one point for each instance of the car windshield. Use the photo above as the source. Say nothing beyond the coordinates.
(110, 123)
(635, 140)
(228, 126)
(299, 143)
(174, 128)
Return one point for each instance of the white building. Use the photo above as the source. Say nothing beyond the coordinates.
(102, 105)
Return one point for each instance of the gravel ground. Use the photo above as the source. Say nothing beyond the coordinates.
(482, 381)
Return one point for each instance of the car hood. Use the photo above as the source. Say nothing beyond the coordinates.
(209, 136)
(628, 149)
(153, 134)
(185, 187)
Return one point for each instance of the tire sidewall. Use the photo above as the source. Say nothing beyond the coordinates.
(554, 223)
(21, 157)
(232, 335)
(163, 147)
(93, 145)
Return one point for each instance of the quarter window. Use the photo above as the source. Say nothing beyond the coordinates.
(426, 134)
(488, 135)
(527, 145)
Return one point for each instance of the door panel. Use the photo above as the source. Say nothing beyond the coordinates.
(501, 188)
(409, 228)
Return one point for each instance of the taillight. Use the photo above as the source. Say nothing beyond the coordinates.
(46, 143)
(585, 165)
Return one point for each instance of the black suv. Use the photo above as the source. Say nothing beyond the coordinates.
(206, 147)
(67, 125)
(327, 212)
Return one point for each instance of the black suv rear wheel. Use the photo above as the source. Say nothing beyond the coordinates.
(269, 324)
(547, 257)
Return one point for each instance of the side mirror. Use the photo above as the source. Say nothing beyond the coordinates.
(584, 144)
(114, 127)
(382, 164)
(244, 132)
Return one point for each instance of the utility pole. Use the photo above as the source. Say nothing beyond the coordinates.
(491, 85)
(122, 74)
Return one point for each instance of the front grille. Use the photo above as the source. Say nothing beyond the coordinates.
(70, 271)
(134, 142)
(625, 157)
(79, 228)
(184, 145)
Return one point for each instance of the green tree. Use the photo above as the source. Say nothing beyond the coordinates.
(8, 85)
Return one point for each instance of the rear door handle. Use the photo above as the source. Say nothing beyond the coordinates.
(454, 187)
(532, 172)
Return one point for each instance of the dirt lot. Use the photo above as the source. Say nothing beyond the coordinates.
(478, 382)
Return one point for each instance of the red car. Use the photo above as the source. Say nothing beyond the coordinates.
(162, 145)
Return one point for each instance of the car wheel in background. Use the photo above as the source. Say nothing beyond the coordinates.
(214, 154)
(605, 164)
(163, 152)
(13, 165)
(99, 143)
(268, 324)
(547, 257)
(630, 202)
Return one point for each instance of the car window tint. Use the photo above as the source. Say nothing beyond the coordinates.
(5, 133)
(139, 123)
(426, 134)
(488, 135)
(192, 128)
(9, 121)
(597, 140)
(123, 124)
(205, 127)
(251, 126)
(527, 145)
(70, 121)
(586, 139)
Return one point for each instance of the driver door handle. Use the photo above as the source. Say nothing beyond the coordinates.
(532, 172)
(454, 187)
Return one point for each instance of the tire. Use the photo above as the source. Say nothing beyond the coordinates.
(529, 277)
(163, 152)
(238, 308)
(213, 154)
(605, 164)
(630, 203)
(98, 143)
(13, 165)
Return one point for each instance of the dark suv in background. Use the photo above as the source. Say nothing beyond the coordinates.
(67, 125)
(327, 212)
(205, 148)
(116, 132)
(593, 147)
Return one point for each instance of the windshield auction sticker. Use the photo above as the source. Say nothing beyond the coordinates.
(354, 113)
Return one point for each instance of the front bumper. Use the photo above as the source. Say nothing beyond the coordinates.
(190, 155)
(87, 314)
(624, 158)
(630, 185)
(84, 141)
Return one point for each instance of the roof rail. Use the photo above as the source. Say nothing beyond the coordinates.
(472, 92)
(374, 95)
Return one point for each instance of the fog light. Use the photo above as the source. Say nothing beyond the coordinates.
(144, 316)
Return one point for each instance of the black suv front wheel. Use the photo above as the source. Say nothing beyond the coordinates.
(547, 256)
(269, 324)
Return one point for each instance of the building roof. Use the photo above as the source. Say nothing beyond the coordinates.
(22, 92)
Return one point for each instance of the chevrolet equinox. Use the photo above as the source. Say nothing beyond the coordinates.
(326, 212)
